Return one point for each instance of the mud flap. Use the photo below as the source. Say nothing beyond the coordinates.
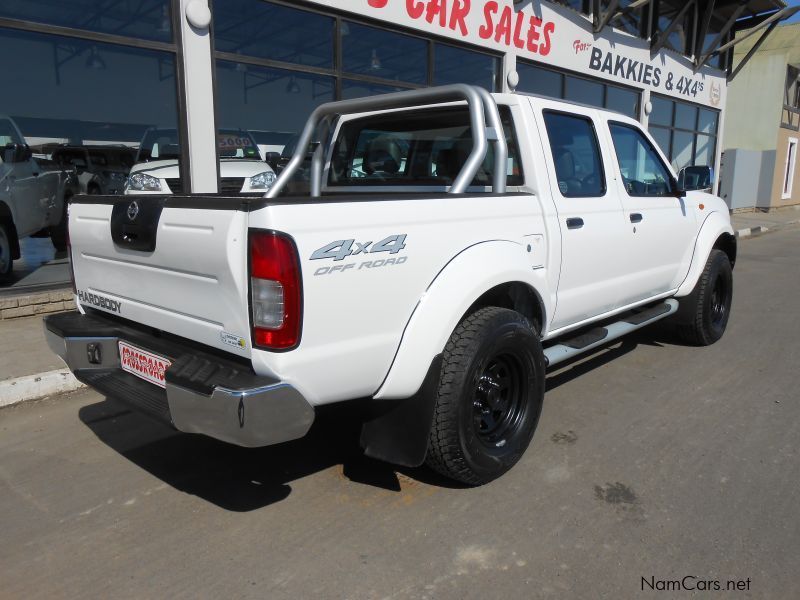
(398, 431)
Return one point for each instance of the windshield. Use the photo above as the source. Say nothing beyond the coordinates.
(162, 144)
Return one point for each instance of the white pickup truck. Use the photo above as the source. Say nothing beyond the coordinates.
(453, 245)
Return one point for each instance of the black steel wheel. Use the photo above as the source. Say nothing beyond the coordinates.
(703, 315)
(489, 398)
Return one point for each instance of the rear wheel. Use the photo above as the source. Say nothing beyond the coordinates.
(703, 314)
(6, 257)
(58, 233)
(489, 397)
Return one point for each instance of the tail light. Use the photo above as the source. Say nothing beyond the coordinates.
(275, 290)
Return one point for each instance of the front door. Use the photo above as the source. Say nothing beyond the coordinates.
(660, 227)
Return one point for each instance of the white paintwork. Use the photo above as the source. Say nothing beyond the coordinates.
(374, 331)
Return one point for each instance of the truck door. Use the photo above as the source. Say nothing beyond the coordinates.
(20, 184)
(660, 228)
(589, 214)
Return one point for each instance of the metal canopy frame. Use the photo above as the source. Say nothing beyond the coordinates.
(484, 120)
(600, 19)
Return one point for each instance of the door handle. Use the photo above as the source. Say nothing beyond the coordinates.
(636, 217)
(574, 223)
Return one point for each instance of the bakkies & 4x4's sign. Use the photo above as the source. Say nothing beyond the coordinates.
(552, 35)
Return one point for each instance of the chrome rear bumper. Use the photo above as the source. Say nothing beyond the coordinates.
(204, 392)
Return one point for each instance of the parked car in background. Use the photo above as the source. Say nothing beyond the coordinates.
(33, 196)
(100, 169)
(242, 168)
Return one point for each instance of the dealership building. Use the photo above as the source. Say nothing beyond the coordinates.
(91, 72)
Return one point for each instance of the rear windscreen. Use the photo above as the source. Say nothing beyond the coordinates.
(416, 148)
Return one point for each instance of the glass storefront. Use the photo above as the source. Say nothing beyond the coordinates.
(276, 63)
(686, 133)
(564, 86)
(83, 98)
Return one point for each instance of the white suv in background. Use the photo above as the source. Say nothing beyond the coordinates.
(242, 168)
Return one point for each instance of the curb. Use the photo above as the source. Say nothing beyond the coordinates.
(748, 231)
(32, 387)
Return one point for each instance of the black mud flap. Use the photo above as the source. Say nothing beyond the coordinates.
(398, 432)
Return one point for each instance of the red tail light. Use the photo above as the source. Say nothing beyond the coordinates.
(275, 290)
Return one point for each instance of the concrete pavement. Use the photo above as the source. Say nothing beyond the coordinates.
(653, 462)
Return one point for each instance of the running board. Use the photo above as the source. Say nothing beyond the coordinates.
(602, 335)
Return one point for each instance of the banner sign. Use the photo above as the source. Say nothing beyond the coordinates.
(551, 35)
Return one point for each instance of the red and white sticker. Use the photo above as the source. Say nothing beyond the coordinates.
(143, 364)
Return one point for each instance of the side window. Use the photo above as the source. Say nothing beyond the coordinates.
(416, 148)
(8, 135)
(643, 172)
(576, 154)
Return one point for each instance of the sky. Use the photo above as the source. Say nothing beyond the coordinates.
(796, 17)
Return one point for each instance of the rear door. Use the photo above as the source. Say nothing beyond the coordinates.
(589, 213)
(660, 227)
(176, 264)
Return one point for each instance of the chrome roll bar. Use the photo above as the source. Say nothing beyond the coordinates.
(484, 120)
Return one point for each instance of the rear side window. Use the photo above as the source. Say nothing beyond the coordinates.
(643, 172)
(576, 154)
(416, 148)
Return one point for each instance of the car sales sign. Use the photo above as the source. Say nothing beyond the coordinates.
(552, 35)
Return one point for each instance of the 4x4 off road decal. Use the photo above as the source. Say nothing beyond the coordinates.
(341, 249)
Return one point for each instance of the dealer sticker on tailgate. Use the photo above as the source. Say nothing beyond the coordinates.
(143, 364)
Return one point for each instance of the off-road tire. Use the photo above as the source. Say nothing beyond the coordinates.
(6, 260)
(703, 315)
(460, 447)
(58, 233)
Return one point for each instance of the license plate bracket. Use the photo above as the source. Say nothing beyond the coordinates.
(142, 363)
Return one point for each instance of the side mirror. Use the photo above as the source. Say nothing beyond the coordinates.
(272, 159)
(16, 153)
(696, 177)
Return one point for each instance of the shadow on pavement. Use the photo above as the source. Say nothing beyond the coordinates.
(245, 479)
(242, 479)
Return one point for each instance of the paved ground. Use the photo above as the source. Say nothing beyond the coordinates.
(651, 460)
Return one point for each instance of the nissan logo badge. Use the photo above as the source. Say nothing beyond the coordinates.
(133, 210)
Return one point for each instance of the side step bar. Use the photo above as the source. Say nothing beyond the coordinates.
(602, 335)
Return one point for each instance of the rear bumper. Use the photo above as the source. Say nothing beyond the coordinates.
(204, 392)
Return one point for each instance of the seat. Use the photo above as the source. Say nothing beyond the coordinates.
(382, 156)
(568, 182)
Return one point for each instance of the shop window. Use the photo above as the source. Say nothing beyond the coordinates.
(643, 173)
(272, 105)
(274, 32)
(83, 107)
(546, 82)
(148, 19)
(687, 133)
(384, 54)
(584, 91)
(542, 82)
(791, 160)
(457, 65)
(576, 155)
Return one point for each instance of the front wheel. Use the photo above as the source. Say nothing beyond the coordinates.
(703, 315)
(489, 397)
(6, 258)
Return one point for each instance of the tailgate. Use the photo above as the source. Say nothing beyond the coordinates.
(176, 264)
